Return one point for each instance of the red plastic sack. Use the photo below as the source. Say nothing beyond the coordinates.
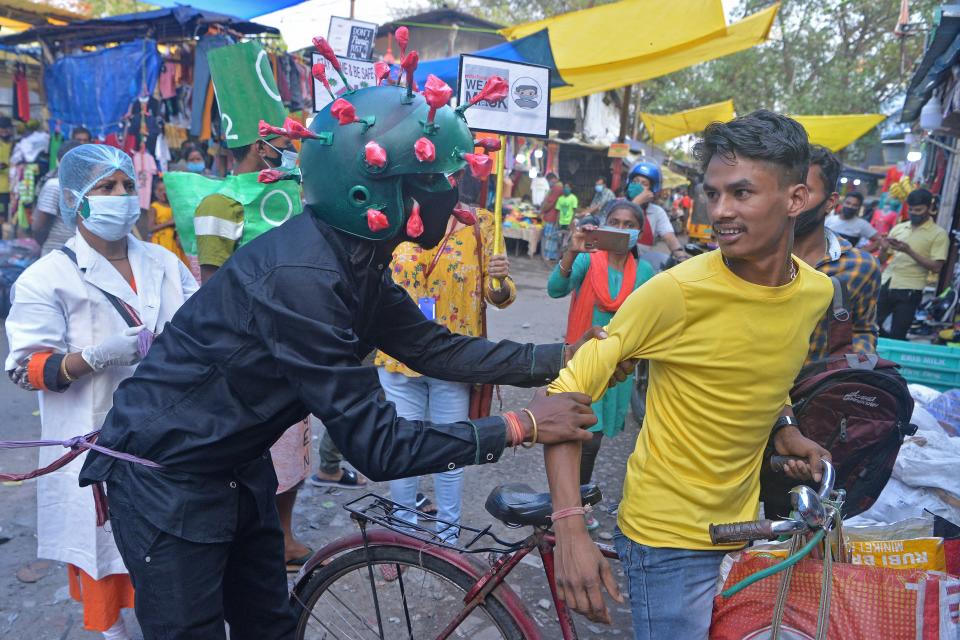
(866, 602)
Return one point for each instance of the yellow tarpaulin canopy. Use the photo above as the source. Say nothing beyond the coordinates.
(672, 179)
(673, 125)
(837, 132)
(643, 39)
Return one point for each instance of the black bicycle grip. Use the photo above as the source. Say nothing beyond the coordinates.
(777, 462)
(741, 532)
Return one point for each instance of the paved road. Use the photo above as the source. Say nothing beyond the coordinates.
(42, 610)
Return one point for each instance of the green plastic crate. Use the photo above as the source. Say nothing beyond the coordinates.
(926, 364)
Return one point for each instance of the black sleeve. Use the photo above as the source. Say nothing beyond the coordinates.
(315, 347)
(404, 333)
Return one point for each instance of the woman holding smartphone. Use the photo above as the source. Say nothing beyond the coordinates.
(600, 282)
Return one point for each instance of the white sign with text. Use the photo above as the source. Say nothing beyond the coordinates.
(358, 72)
(526, 108)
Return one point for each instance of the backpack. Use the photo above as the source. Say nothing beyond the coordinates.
(856, 406)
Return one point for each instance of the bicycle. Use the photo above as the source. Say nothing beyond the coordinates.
(939, 313)
(438, 592)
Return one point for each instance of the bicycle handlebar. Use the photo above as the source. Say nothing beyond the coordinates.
(826, 482)
(754, 530)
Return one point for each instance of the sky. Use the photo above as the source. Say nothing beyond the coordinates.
(300, 23)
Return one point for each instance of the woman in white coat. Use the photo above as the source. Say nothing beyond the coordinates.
(70, 342)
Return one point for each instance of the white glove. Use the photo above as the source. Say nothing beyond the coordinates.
(123, 349)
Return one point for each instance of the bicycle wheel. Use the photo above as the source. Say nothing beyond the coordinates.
(338, 603)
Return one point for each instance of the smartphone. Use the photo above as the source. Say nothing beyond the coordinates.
(612, 240)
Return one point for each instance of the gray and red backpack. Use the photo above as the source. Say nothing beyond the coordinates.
(857, 406)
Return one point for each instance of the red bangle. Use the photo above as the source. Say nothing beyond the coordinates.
(514, 427)
(569, 511)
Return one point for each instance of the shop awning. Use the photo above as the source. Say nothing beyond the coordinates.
(672, 179)
(534, 49)
(160, 24)
(239, 8)
(941, 53)
(663, 128)
(643, 40)
(837, 132)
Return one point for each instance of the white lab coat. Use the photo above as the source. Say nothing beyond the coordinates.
(57, 307)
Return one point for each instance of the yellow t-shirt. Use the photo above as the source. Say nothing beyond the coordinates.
(929, 240)
(723, 355)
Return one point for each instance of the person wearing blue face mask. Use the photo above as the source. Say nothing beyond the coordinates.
(643, 186)
(69, 341)
(600, 282)
(195, 163)
(601, 196)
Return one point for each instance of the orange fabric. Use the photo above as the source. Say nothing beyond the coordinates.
(35, 369)
(207, 110)
(133, 284)
(595, 291)
(102, 599)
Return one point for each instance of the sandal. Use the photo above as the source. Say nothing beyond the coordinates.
(424, 505)
(295, 564)
(350, 479)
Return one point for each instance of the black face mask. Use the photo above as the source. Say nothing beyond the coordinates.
(917, 220)
(849, 212)
(808, 220)
(435, 210)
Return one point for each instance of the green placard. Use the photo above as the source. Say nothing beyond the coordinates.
(265, 206)
(246, 91)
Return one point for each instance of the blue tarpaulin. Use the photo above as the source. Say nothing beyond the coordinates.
(94, 90)
(239, 8)
(534, 49)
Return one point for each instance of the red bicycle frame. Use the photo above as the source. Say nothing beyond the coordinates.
(486, 581)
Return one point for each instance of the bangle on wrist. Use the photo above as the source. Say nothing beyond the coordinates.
(66, 374)
(564, 272)
(533, 440)
(569, 511)
(514, 428)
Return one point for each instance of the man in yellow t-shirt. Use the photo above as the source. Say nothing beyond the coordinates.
(6, 146)
(920, 248)
(726, 334)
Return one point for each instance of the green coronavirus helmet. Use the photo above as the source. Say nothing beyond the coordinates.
(373, 155)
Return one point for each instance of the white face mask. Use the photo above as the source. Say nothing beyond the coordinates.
(110, 217)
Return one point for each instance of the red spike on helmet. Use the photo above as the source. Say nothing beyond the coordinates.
(488, 144)
(480, 165)
(319, 71)
(409, 65)
(424, 150)
(494, 90)
(376, 221)
(375, 155)
(269, 176)
(344, 112)
(403, 39)
(415, 222)
(296, 131)
(464, 215)
(437, 93)
(381, 70)
(265, 129)
(323, 48)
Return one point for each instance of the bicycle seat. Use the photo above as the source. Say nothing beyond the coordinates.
(519, 505)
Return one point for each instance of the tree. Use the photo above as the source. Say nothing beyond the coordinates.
(824, 57)
(505, 12)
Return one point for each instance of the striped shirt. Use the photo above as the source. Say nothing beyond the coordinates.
(218, 223)
(859, 272)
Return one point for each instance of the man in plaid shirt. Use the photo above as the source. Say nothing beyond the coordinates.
(857, 270)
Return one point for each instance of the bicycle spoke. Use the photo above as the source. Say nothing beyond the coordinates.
(317, 619)
(403, 598)
(345, 606)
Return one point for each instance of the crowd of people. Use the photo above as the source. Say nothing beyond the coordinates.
(202, 394)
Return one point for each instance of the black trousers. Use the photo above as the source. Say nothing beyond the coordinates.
(902, 305)
(186, 590)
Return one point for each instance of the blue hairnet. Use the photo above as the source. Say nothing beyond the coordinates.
(83, 167)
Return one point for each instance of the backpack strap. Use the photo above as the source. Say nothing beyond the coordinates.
(128, 314)
(840, 326)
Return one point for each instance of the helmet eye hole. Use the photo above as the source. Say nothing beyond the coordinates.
(359, 196)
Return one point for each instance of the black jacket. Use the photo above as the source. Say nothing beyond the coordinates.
(279, 333)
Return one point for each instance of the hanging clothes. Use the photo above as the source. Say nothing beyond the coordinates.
(21, 93)
(201, 82)
(161, 153)
(55, 141)
(174, 135)
(146, 168)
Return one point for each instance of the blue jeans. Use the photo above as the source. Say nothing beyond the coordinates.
(423, 398)
(671, 590)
